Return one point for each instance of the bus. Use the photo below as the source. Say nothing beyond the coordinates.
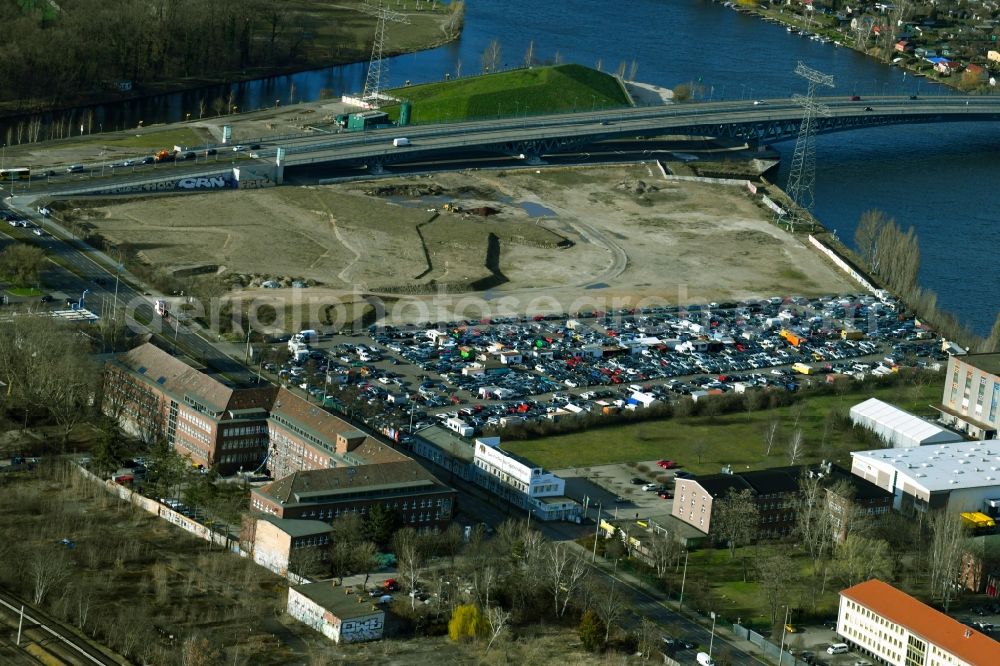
(20, 173)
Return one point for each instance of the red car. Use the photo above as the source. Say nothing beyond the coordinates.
(665, 494)
(666, 464)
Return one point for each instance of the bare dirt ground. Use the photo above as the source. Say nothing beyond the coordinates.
(561, 239)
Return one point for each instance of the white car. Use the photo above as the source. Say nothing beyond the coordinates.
(649, 487)
(237, 148)
(758, 102)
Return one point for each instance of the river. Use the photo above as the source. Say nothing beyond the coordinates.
(938, 178)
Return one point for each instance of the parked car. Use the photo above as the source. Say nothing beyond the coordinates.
(637, 481)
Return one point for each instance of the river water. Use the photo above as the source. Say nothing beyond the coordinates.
(939, 178)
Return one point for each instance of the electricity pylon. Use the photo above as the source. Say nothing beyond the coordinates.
(377, 67)
(802, 175)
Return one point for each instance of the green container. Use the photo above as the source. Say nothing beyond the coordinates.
(404, 114)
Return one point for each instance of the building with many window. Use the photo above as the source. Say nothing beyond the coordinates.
(775, 492)
(893, 628)
(304, 436)
(154, 395)
(971, 399)
(403, 487)
(275, 543)
(521, 483)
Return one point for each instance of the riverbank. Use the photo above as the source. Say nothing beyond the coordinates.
(333, 35)
(840, 38)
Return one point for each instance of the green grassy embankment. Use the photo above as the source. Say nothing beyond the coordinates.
(532, 91)
(704, 443)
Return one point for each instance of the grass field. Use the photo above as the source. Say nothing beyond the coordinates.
(524, 91)
(705, 443)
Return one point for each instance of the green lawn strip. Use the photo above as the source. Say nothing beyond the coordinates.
(533, 91)
(24, 291)
(735, 439)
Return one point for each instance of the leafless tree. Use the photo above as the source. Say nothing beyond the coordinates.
(664, 551)
(492, 56)
(529, 54)
(647, 637)
(945, 556)
(47, 572)
(860, 558)
(735, 519)
(498, 619)
(565, 572)
(771, 432)
(484, 579)
(796, 447)
(866, 237)
(776, 573)
(813, 523)
(409, 559)
(610, 607)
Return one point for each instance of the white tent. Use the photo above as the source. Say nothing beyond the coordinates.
(898, 428)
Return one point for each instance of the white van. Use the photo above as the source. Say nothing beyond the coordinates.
(704, 660)
(837, 648)
(401, 142)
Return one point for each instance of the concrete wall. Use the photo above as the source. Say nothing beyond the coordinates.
(271, 547)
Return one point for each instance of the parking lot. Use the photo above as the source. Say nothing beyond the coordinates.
(471, 376)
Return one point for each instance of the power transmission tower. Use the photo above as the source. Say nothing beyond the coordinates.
(802, 175)
(377, 67)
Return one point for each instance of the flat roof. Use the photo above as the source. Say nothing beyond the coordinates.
(296, 527)
(939, 467)
(449, 444)
(931, 625)
(336, 599)
(986, 362)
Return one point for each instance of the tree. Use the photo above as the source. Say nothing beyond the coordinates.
(775, 573)
(380, 524)
(771, 432)
(812, 518)
(945, 556)
(529, 54)
(647, 637)
(199, 651)
(466, 623)
(796, 447)
(409, 559)
(610, 608)
(564, 572)
(866, 236)
(592, 631)
(498, 620)
(23, 263)
(860, 558)
(48, 572)
(735, 519)
(492, 56)
(664, 551)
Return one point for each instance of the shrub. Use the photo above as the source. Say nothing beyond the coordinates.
(466, 622)
(591, 631)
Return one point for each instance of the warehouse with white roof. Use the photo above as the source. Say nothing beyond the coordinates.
(956, 477)
(898, 428)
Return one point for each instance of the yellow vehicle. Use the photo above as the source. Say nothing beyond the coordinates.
(979, 522)
(802, 368)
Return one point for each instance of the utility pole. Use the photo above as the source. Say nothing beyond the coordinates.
(684, 576)
(597, 530)
(784, 630)
(802, 175)
(246, 358)
(20, 623)
(711, 641)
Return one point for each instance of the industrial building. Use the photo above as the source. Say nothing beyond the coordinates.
(963, 476)
(336, 612)
(971, 399)
(405, 488)
(899, 428)
(275, 542)
(893, 628)
(522, 483)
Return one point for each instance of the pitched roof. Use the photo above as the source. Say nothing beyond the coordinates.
(178, 378)
(305, 414)
(920, 619)
(304, 486)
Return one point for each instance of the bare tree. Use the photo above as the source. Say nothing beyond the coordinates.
(492, 56)
(647, 637)
(409, 559)
(610, 607)
(48, 572)
(498, 619)
(812, 523)
(735, 518)
(775, 573)
(484, 579)
(866, 236)
(565, 572)
(664, 551)
(796, 447)
(771, 432)
(529, 54)
(945, 556)
(860, 558)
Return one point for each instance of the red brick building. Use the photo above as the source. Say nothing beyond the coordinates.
(404, 487)
(304, 436)
(154, 395)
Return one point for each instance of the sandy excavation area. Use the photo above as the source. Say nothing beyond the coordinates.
(523, 240)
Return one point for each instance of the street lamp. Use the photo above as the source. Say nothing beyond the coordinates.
(711, 641)
(784, 630)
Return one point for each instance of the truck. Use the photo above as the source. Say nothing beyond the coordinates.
(978, 522)
(792, 338)
(802, 368)
(164, 156)
(161, 307)
(401, 142)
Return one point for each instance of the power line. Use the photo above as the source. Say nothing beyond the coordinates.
(802, 175)
(377, 69)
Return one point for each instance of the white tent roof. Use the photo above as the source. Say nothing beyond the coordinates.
(903, 423)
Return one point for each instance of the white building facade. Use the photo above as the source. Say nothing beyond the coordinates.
(351, 619)
(521, 483)
(898, 428)
(956, 477)
(893, 628)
